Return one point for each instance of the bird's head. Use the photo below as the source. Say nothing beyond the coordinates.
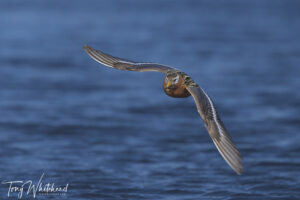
(171, 81)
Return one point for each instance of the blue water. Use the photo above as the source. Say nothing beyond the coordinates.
(114, 134)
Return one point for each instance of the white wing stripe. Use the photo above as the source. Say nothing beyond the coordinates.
(125, 62)
(214, 113)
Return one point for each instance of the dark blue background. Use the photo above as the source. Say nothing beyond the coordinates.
(114, 134)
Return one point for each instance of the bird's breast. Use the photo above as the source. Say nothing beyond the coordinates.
(177, 92)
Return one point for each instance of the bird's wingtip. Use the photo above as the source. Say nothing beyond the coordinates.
(241, 171)
(85, 46)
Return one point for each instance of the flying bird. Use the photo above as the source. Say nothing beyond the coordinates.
(179, 85)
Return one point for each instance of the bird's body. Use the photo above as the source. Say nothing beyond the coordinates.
(179, 85)
(174, 84)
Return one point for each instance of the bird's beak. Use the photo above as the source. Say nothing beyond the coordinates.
(169, 84)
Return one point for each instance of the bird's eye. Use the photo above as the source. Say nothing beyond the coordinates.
(175, 80)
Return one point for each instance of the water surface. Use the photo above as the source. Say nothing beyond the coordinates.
(114, 134)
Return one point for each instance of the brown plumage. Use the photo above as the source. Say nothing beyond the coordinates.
(178, 84)
(178, 89)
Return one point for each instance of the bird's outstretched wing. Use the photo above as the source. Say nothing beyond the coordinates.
(204, 104)
(122, 64)
(215, 127)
